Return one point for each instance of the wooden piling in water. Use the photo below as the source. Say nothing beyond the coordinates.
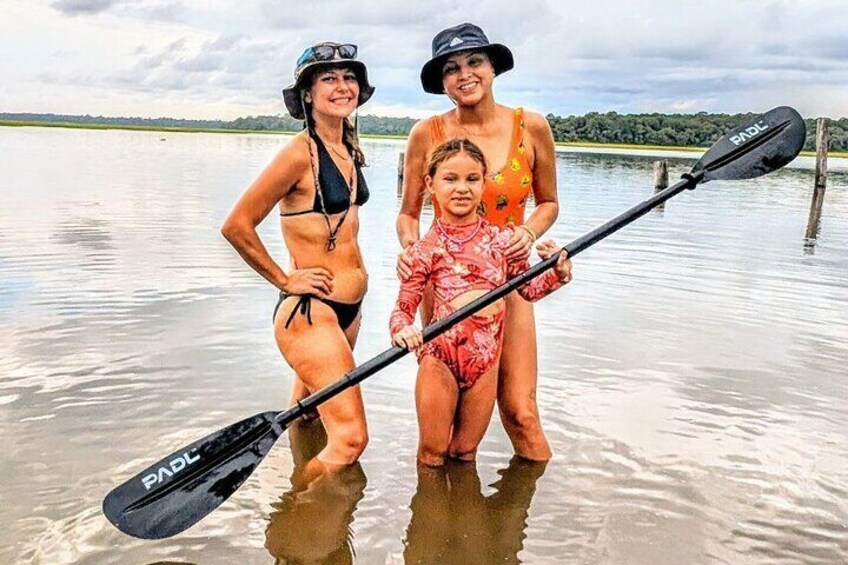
(400, 174)
(660, 175)
(814, 220)
(660, 182)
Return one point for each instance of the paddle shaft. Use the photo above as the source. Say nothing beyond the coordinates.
(389, 356)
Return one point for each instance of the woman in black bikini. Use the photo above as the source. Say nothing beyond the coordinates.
(317, 182)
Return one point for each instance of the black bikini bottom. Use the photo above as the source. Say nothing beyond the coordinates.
(346, 313)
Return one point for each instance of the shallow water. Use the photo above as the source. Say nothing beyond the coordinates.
(692, 378)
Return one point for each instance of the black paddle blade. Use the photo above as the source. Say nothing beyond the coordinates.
(173, 494)
(756, 148)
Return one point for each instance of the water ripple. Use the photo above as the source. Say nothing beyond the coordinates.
(691, 379)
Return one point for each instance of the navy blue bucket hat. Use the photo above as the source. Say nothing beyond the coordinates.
(463, 37)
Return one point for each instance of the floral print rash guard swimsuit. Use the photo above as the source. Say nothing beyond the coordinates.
(457, 260)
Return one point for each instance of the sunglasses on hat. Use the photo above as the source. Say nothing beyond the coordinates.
(327, 52)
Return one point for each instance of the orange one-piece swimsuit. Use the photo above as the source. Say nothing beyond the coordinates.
(505, 190)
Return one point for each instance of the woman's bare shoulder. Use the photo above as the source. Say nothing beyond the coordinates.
(289, 166)
(504, 110)
(536, 123)
(295, 153)
(420, 129)
(299, 144)
(419, 136)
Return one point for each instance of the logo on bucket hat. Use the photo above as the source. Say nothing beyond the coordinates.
(461, 38)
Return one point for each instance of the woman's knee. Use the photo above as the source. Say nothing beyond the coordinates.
(522, 416)
(432, 456)
(433, 450)
(349, 443)
(463, 452)
(356, 440)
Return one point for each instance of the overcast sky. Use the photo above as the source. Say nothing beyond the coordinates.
(223, 59)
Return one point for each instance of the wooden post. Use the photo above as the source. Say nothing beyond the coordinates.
(814, 220)
(400, 173)
(660, 181)
(660, 175)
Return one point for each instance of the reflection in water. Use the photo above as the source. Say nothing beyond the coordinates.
(91, 234)
(312, 522)
(452, 522)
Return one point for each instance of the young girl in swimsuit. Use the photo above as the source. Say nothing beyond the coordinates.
(463, 256)
(317, 184)
(464, 67)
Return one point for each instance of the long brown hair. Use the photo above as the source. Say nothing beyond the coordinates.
(454, 147)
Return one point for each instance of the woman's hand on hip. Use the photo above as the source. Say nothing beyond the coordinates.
(316, 281)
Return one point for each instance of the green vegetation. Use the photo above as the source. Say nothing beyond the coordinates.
(72, 125)
(684, 130)
(640, 131)
(591, 145)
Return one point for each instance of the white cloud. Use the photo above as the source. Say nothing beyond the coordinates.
(79, 7)
(191, 58)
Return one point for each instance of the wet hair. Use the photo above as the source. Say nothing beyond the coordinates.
(451, 148)
(350, 135)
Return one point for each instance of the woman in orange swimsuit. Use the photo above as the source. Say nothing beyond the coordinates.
(463, 256)
(521, 145)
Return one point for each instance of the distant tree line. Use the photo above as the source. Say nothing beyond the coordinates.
(108, 121)
(700, 130)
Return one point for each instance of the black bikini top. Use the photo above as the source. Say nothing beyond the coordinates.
(334, 187)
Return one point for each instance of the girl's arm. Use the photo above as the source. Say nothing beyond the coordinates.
(411, 289)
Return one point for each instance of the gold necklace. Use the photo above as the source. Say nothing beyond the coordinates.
(344, 156)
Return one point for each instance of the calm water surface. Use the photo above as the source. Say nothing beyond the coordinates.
(693, 378)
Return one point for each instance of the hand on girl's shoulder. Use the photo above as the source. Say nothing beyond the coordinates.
(413, 255)
(426, 244)
(501, 235)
